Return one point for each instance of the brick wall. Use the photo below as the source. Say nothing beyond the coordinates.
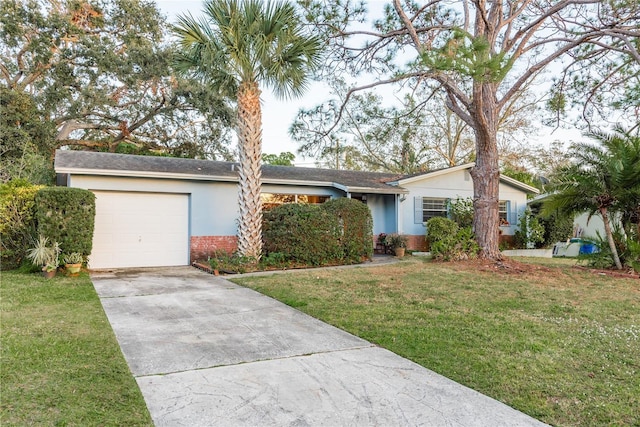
(417, 243)
(204, 246)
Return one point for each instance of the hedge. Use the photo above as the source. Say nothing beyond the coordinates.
(304, 233)
(67, 216)
(357, 227)
(338, 231)
(17, 221)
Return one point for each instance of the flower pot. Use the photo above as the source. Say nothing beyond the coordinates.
(73, 269)
(49, 274)
(399, 252)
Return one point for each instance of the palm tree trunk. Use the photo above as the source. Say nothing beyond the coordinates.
(612, 244)
(250, 173)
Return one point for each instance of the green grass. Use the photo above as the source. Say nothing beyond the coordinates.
(560, 344)
(61, 364)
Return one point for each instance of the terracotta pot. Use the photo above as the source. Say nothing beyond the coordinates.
(73, 269)
(399, 252)
(49, 274)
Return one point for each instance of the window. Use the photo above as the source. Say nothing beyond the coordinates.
(432, 208)
(503, 212)
(271, 200)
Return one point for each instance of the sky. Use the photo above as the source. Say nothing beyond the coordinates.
(278, 115)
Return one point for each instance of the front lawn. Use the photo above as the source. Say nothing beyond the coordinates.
(61, 364)
(560, 344)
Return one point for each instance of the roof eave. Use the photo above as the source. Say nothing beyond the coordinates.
(434, 173)
(144, 174)
(519, 184)
(223, 178)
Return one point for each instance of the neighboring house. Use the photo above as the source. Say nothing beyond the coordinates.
(161, 211)
(584, 225)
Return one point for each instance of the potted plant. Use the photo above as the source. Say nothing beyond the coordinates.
(46, 256)
(398, 242)
(214, 263)
(381, 244)
(73, 263)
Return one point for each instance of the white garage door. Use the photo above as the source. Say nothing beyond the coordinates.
(140, 230)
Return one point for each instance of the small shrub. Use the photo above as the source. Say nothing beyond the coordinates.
(628, 251)
(235, 262)
(439, 228)
(449, 242)
(275, 260)
(67, 215)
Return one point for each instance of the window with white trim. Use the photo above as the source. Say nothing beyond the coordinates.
(503, 212)
(433, 207)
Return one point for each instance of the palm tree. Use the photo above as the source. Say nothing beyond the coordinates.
(235, 47)
(604, 179)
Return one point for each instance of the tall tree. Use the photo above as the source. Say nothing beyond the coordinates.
(99, 71)
(419, 134)
(604, 179)
(237, 46)
(283, 159)
(481, 53)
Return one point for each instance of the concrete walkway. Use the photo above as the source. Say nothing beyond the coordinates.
(206, 352)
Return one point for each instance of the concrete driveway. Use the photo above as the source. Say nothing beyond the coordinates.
(206, 352)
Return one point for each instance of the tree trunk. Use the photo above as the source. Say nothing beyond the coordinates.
(486, 173)
(612, 244)
(250, 173)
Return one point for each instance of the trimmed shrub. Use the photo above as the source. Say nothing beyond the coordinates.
(307, 234)
(439, 228)
(67, 216)
(17, 221)
(448, 242)
(357, 227)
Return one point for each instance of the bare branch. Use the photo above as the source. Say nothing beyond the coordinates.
(408, 24)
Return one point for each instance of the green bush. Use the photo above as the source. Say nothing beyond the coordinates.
(448, 242)
(628, 251)
(556, 229)
(357, 227)
(307, 234)
(461, 211)
(67, 216)
(17, 221)
(530, 232)
(439, 228)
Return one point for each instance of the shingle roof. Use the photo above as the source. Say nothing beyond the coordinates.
(86, 162)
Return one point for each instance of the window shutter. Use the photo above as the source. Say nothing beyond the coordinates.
(418, 217)
(510, 215)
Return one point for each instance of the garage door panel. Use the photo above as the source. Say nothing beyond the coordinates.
(140, 230)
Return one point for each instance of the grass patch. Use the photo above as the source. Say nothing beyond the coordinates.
(61, 363)
(557, 343)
